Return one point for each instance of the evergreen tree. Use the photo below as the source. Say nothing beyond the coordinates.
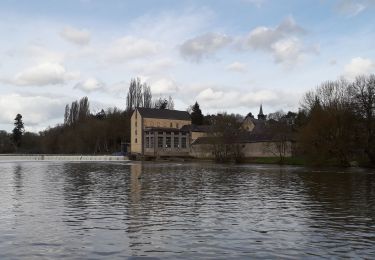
(17, 131)
(196, 114)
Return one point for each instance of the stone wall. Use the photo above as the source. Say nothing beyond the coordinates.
(248, 150)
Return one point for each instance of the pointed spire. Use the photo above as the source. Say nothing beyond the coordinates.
(261, 115)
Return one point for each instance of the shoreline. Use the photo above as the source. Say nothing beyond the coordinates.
(52, 157)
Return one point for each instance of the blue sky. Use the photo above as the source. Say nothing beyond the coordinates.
(227, 55)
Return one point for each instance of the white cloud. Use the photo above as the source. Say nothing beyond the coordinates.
(153, 67)
(76, 36)
(237, 67)
(129, 47)
(282, 41)
(203, 46)
(42, 75)
(287, 50)
(163, 86)
(90, 85)
(223, 99)
(34, 109)
(36, 53)
(359, 66)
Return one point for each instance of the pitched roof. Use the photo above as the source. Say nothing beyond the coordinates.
(196, 128)
(163, 113)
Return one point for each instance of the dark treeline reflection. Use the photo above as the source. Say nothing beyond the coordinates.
(345, 193)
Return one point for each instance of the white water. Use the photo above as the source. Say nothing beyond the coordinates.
(38, 157)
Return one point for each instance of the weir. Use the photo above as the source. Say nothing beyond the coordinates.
(48, 157)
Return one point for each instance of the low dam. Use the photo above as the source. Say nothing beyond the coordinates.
(49, 157)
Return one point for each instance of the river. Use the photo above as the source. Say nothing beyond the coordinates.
(126, 210)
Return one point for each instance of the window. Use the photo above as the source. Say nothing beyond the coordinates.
(176, 142)
(136, 141)
(168, 142)
(183, 142)
(147, 143)
(171, 125)
(136, 122)
(160, 142)
(160, 133)
(136, 132)
(151, 142)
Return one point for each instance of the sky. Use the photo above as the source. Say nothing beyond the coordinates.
(229, 55)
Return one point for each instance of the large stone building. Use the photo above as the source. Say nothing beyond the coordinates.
(170, 133)
(160, 132)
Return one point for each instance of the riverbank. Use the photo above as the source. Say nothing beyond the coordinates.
(49, 157)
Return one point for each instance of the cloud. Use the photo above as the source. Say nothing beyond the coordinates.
(358, 66)
(203, 46)
(288, 50)
(90, 85)
(35, 109)
(352, 7)
(36, 53)
(282, 41)
(163, 86)
(76, 36)
(213, 98)
(237, 67)
(42, 75)
(129, 47)
(153, 67)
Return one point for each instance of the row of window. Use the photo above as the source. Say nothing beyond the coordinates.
(149, 142)
(167, 133)
(158, 124)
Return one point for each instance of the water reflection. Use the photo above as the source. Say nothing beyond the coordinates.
(118, 210)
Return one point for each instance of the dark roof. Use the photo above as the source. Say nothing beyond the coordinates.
(163, 113)
(196, 128)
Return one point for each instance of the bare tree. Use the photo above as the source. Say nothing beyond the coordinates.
(66, 114)
(363, 96)
(328, 135)
(147, 96)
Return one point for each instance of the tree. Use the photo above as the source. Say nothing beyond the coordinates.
(147, 96)
(363, 97)
(164, 103)
(328, 137)
(18, 131)
(223, 135)
(196, 114)
(139, 95)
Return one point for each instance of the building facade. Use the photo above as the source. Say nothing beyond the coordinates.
(160, 132)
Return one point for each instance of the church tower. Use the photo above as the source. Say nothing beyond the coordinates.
(261, 116)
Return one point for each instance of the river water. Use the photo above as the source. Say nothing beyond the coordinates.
(118, 210)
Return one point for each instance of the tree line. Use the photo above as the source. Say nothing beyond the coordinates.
(84, 131)
(335, 125)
